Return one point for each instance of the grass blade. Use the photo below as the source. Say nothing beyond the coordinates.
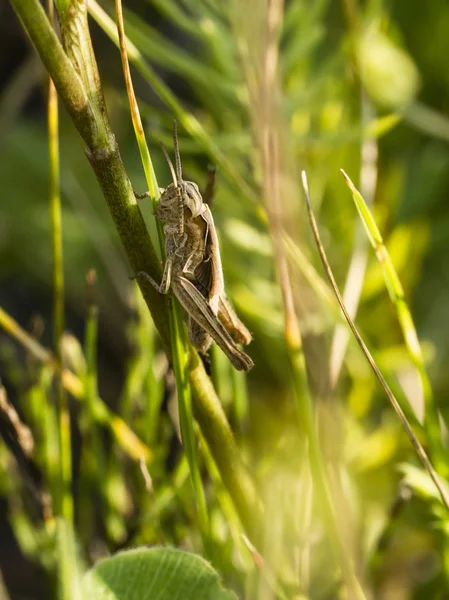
(63, 502)
(397, 296)
(421, 453)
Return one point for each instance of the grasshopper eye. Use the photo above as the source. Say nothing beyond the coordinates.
(192, 198)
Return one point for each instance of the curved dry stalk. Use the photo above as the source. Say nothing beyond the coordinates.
(421, 453)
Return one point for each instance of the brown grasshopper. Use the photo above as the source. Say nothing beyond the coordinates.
(193, 268)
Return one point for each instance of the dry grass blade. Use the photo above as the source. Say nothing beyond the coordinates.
(24, 435)
(391, 397)
(135, 113)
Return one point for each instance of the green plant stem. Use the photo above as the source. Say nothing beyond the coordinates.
(186, 421)
(216, 431)
(405, 319)
(90, 342)
(116, 187)
(77, 44)
(56, 62)
(63, 501)
(91, 379)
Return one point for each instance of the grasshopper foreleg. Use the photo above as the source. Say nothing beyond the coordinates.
(164, 286)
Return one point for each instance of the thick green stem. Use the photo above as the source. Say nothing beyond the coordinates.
(57, 63)
(215, 429)
(78, 46)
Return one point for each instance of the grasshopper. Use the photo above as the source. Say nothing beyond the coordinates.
(193, 267)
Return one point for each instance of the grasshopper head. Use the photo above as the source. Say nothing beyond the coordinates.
(180, 192)
(169, 203)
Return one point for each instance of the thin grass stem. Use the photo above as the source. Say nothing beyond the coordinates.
(405, 319)
(420, 452)
(64, 501)
(91, 376)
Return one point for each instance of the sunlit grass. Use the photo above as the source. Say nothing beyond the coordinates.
(307, 499)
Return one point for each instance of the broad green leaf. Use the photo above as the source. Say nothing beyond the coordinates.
(154, 574)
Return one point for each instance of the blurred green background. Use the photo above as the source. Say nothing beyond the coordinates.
(363, 86)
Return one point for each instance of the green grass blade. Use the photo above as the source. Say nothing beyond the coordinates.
(186, 419)
(240, 397)
(69, 564)
(90, 345)
(405, 319)
(172, 11)
(204, 80)
(63, 500)
(150, 376)
(418, 447)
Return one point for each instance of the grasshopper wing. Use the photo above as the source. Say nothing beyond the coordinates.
(232, 323)
(209, 276)
(210, 271)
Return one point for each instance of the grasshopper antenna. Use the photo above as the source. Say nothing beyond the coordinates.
(177, 156)
(179, 177)
(170, 164)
